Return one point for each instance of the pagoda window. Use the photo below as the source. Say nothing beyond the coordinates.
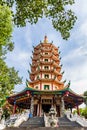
(36, 87)
(46, 87)
(46, 53)
(46, 60)
(38, 77)
(46, 76)
(46, 67)
(55, 87)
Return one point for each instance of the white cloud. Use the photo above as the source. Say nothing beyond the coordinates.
(83, 28)
(80, 8)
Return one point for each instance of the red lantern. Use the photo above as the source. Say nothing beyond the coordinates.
(66, 93)
(28, 93)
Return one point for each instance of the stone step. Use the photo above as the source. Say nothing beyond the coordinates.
(63, 121)
(33, 122)
(47, 128)
(37, 123)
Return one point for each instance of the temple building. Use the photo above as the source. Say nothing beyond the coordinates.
(46, 87)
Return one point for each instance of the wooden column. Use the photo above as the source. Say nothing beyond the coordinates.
(14, 107)
(78, 112)
(38, 110)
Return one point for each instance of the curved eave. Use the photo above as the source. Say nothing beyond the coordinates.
(73, 93)
(73, 101)
(72, 98)
(46, 80)
(48, 91)
(34, 90)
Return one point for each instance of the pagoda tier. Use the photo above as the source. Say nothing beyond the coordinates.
(45, 68)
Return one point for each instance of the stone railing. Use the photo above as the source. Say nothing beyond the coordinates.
(46, 121)
(79, 119)
(23, 117)
(17, 119)
(2, 124)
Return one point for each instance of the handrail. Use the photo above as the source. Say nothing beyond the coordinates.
(79, 119)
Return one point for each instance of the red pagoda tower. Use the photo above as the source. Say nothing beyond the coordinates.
(46, 69)
(46, 88)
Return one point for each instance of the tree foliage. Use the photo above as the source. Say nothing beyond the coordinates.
(31, 11)
(84, 112)
(8, 110)
(5, 25)
(8, 76)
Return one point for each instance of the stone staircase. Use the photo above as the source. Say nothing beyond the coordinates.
(33, 122)
(37, 123)
(64, 122)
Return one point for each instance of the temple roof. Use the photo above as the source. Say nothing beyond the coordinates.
(22, 98)
(36, 91)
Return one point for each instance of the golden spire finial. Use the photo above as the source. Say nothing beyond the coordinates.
(45, 39)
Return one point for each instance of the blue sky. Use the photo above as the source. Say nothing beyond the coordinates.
(73, 51)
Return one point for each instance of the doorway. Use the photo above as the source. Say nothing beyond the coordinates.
(58, 110)
(46, 107)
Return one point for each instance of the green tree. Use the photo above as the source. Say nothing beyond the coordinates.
(85, 98)
(5, 25)
(31, 11)
(8, 76)
(84, 112)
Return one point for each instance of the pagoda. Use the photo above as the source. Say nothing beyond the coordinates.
(46, 88)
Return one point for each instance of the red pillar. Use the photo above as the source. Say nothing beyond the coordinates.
(78, 112)
(40, 86)
(14, 107)
(52, 86)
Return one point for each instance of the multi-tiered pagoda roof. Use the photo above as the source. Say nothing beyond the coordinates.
(46, 80)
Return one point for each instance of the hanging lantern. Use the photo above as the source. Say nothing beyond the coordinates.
(28, 93)
(66, 93)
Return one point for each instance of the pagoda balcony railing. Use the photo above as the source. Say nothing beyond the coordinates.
(42, 70)
(46, 56)
(46, 63)
(50, 80)
(46, 49)
(46, 70)
(41, 62)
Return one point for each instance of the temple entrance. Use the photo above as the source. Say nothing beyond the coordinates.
(58, 110)
(46, 107)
